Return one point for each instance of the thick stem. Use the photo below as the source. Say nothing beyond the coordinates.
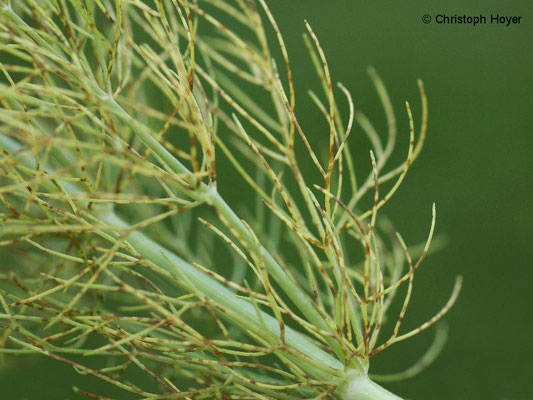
(315, 360)
(358, 386)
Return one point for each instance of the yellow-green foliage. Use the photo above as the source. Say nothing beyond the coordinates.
(121, 122)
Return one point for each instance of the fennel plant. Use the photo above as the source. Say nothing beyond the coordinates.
(118, 243)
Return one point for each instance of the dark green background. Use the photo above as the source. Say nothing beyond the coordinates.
(476, 166)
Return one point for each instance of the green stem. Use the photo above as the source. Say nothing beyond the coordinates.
(241, 310)
(358, 386)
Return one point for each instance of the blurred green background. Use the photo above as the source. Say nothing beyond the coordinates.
(476, 165)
